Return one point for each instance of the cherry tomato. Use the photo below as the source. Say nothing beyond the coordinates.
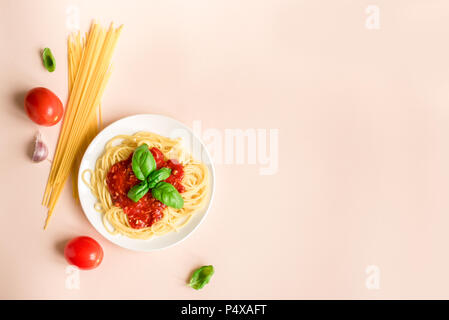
(83, 252)
(43, 107)
(158, 157)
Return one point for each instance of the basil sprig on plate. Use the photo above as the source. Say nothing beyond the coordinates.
(157, 176)
(143, 162)
(144, 168)
(138, 191)
(168, 195)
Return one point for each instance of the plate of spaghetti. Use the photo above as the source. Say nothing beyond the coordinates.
(146, 182)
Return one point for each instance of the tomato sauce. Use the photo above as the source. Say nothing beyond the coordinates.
(147, 210)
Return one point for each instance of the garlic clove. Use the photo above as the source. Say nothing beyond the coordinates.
(40, 149)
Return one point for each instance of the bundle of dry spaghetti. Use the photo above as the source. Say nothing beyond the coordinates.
(89, 61)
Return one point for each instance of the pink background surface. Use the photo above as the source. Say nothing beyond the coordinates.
(363, 127)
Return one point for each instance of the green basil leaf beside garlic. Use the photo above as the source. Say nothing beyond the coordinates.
(40, 149)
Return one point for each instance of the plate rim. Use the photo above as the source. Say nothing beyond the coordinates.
(212, 177)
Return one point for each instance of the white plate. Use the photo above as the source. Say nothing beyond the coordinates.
(161, 125)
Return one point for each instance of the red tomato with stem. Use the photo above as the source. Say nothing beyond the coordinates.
(43, 107)
(83, 252)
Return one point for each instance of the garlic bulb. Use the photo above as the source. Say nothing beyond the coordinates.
(40, 149)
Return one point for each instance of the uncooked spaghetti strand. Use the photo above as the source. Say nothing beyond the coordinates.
(67, 121)
(89, 69)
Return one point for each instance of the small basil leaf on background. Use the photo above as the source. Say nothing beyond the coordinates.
(168, 195)
(201, 277)
(143, 162)
(158, 176)
(49, 60)
(138, 191)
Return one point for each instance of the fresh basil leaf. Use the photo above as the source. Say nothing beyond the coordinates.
(138, 191)
(168, 195)
(143, 162)
(49, 60)
(201, 277)
(157, 176)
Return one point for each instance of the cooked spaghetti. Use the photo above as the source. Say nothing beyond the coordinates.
(194, 185)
